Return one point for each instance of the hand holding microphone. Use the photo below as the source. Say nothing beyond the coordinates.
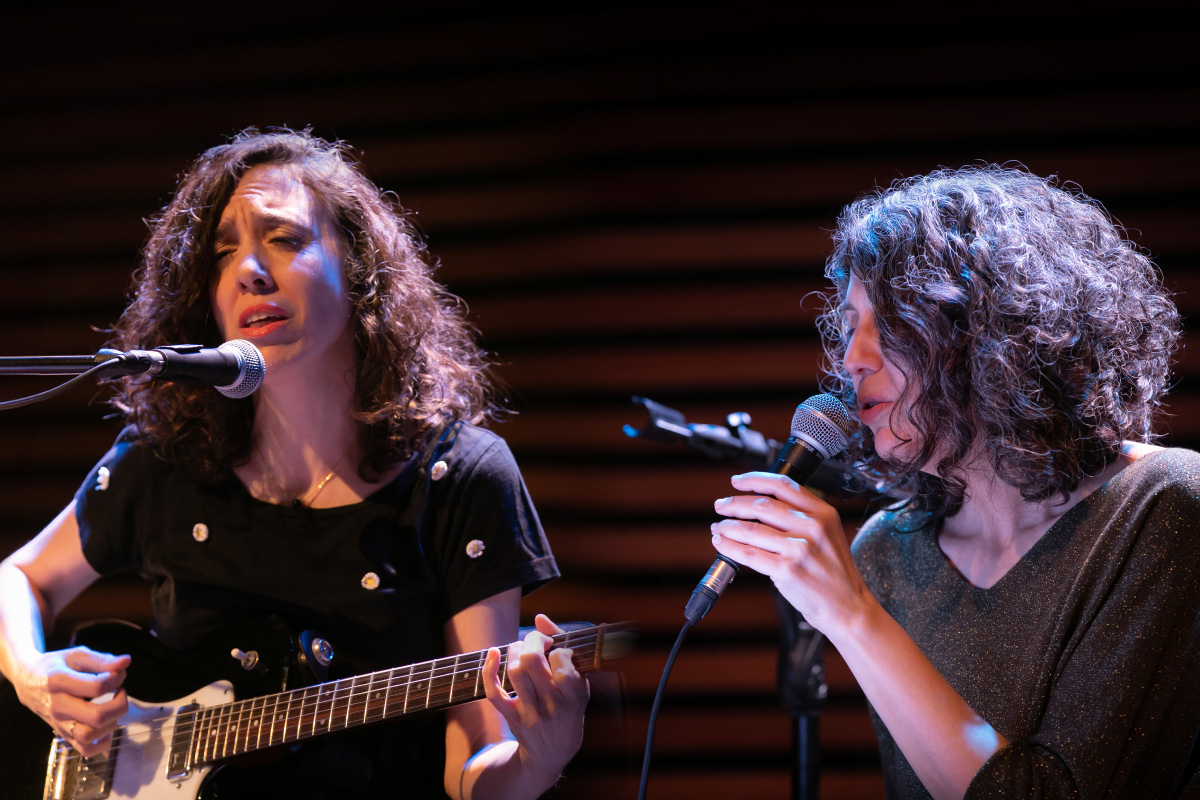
(821, 429)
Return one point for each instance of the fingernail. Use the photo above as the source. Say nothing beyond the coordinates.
(737, 478)
(716, 538)
(723, 501)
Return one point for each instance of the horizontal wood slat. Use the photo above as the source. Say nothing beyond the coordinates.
(632, 199)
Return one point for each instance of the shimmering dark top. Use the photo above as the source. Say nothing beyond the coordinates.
(1085, 655)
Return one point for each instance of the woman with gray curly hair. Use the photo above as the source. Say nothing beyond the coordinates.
(1026, 623)
(353, 495)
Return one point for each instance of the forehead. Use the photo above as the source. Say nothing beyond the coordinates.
(856, 296)
(273, 190)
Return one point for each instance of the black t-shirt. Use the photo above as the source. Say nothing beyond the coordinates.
(379, 578)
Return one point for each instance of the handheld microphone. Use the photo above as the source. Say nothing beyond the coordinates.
(235, 368)
(821, 429)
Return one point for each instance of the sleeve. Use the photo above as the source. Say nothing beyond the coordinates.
(105, 508)
(489, 538)
(1123, 708)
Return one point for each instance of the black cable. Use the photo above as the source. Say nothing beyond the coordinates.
(658, 696)
(57, 390)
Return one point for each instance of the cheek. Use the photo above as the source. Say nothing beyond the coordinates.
(222, 302)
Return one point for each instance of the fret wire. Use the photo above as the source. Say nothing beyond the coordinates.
(210, 746)
(326, 704)
(202, 735)
(258, 717)
(317, 709)
(303, 707)
(341, 695)
(368, 680)
(435, 682)
(218, 716)
(302, 703)
(210, 740)
(350, 700)
(387, 694)
(230, 728)
(503, 673)
(371, 694)
(373, 697)
(407, 686)
(287, 717)
(197, 736)
(222, 731)
(453, 670)
(272, 740)
(247, 725)
(236, 712)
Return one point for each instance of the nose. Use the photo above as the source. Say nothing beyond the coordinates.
(863, 356)
(253, 274)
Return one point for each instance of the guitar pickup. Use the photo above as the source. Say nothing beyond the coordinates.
(179, 764)
(94, 779)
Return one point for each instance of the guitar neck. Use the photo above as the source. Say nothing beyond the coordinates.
(219, 732)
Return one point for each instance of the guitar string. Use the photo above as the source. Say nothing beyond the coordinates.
(312, 705)
(437, 680)
(442, 674)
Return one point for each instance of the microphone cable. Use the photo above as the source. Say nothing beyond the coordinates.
(57, 390)
(821, 429)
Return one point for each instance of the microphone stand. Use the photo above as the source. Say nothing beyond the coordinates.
(800, 672)
(63, 365)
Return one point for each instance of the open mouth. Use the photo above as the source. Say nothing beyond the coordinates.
(262, 318)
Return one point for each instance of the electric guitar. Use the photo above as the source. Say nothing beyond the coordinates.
(174, 748)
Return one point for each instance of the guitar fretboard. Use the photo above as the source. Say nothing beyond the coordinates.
(219, 732)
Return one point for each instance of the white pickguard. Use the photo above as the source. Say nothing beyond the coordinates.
(141, 758)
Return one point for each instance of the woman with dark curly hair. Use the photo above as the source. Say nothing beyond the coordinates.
(352, 495)
(1026, 623)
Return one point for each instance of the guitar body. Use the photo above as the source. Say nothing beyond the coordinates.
(177, 742)
(139, 767)
(160, 682)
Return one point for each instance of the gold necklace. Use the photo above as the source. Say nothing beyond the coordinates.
(306, 502)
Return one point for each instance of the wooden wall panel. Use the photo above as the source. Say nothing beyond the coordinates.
(633, 198)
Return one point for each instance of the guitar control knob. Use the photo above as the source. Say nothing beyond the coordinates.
(248, 660)
(322, 651)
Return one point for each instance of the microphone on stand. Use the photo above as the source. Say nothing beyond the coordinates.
(235, 368)
(821, 429)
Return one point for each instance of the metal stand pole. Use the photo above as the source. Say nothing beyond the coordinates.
(802, 690)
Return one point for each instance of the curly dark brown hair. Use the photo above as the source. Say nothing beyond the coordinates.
(1022, 317)
(418, 364)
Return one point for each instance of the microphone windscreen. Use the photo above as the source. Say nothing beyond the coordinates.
(823, 422)
(253, 371)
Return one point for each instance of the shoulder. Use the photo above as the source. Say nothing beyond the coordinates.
(128, 455)
(1171, 471)
(473, 455)
(888, 527)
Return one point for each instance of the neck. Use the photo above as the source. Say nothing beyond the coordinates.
(303, 429)
(996, 526)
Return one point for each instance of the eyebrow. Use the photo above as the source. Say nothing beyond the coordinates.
(267, 220)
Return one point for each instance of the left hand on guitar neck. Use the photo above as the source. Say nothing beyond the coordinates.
(546, 715)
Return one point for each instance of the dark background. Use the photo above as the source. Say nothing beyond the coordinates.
(632, 198)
